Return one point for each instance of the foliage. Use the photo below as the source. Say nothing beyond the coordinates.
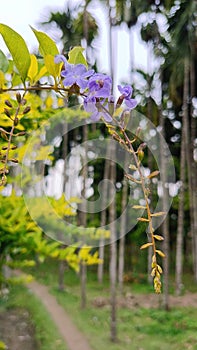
(21, 240)
(136, 326)
(46, 334)
(72, 77)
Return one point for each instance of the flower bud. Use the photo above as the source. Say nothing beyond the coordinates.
(8, 103)
(15, 121)
(140, 155)
(120, 101)
(18, 97)
(27, 110)
(14, 160)
(7, 112)
(21, 133)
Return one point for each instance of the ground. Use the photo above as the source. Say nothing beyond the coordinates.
(150, 301)
(17, 331)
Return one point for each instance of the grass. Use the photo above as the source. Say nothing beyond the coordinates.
(46, 333)
(145, 329)
(138, 329)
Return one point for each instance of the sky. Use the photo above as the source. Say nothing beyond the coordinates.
(21, 14)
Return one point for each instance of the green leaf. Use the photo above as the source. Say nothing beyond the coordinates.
(53, 68)
(76, 56)
(47, 45)
(4, 63)
(18, 49)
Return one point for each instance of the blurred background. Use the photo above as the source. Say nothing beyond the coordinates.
(151, 45)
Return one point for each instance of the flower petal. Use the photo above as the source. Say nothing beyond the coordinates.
(60, 58)
(79, 69)
(89, 73)
(82, 83)
(131, 103)
(107, 117)
(126, 90)
(69, 80)
(95, 116)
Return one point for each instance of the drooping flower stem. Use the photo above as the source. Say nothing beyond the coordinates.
(155, 273)
(120, 135)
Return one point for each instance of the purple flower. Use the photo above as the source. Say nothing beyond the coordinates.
(99, 89)
(74, 73)
(100, 85)
(126, 92)
(61, 58)
(96, 109)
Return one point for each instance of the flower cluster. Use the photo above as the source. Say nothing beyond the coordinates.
(96, 89)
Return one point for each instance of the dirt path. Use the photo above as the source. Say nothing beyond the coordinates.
(74, 339)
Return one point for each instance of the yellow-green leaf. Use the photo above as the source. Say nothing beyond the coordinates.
(160, 253)
(2, 79)
(33, 69)
(47, 45)
(76, 56)
(4, 63)
(18, 49)
(146, 245)
(52, 67)
(41, 73)
(2, 345)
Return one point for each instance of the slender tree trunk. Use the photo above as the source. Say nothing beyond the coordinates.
(179, 238)
(62, 263)
(83, 278)
(104, 212)
(113, 251)
(112, 207)
(165, 224)
(82, 216)
(185, 156)
(193, 193)
(123, 229)
(122, 238)
(150, 158)
(83, 206)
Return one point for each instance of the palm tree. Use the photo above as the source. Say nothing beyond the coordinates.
(184, 40)
(75, 23)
